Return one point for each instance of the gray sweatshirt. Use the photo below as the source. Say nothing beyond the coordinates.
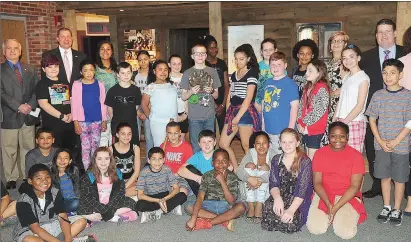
(35, 156)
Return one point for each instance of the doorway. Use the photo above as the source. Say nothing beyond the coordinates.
(88, 44)
(15, 28)
(182, 40)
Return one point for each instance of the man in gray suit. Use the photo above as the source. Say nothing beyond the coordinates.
(18, 82)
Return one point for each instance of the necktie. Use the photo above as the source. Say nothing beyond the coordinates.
(18, 75)
(66, 63)
(387, 54)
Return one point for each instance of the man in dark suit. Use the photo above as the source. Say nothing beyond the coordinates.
(371, 63)
(18, 82)
(69, 59)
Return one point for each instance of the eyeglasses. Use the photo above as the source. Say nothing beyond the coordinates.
(337, 41)
(199, 53)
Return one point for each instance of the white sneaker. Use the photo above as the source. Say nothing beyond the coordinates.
(144, 217)
(115, 219)
(157, 214)
(177, 210)
(150, 216)
(87, 238)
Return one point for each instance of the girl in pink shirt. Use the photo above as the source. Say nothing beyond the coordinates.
(88, 110)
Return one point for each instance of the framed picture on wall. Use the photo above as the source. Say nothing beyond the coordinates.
(245, 34)
(137, 40)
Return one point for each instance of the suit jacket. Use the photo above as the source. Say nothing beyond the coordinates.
(75, 71)
(370, 64)
(13, 95)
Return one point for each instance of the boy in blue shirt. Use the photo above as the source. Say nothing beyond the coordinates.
(200, 162)
(280, 99)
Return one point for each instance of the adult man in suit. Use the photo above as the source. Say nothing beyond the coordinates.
(18, 82)
(371, 63)
(69, 67)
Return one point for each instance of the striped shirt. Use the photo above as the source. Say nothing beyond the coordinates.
(66, 187)
(155, 182)
(238, 87)
(393, 110)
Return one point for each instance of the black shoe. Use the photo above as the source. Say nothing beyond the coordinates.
(11, 185)
(371, 193)
(396, 217)
(384, 216)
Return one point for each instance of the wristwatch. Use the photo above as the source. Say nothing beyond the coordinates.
(61, 116)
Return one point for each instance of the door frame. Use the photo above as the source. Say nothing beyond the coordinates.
(24, 19)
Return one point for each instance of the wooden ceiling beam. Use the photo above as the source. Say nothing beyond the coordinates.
(88, 5)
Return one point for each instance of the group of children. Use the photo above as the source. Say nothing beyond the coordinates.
(273, 185)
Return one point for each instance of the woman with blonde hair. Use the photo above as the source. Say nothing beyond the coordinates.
(336, 72)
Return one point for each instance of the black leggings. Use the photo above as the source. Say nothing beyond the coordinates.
(146, 206)
(195, 186)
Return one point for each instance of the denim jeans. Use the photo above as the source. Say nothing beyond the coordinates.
(147, 133)
(195, 127)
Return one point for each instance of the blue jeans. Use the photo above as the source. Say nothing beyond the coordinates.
(195, 127)
(71, 205)
(216, 207)
(147, 133)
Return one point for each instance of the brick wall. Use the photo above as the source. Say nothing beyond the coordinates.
(40, 27)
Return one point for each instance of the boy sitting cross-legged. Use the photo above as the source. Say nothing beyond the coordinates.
(157, 188)
(42, 214)
(217, 201)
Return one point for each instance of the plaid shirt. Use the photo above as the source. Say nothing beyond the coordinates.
(233, 110)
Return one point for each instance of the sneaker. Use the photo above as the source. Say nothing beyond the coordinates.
(177, 210)
(203, 223)
(87, 238)
(150, 216)
(384, 216)
(396, 217)
(229, 225)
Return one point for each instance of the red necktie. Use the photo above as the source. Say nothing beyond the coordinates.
(18, 75)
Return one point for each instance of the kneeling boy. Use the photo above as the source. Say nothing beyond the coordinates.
(217, 201)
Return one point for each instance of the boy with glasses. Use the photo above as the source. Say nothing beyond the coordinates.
(200, 85)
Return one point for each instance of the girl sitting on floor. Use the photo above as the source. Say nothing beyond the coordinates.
(290, 187)
(102, 191)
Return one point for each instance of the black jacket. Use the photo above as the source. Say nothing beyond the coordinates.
(89, 198)
(370, 64)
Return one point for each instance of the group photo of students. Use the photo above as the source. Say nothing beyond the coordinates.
(307, 135)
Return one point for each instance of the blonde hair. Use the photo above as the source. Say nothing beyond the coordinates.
(296, 165)
(345, 36)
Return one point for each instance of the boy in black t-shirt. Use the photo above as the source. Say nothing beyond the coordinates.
(53, 96)
(123, 101)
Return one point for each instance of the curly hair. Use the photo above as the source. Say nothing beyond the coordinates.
(248, 50)
(306, 42)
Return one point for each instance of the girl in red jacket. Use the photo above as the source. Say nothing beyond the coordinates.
(313, 109)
